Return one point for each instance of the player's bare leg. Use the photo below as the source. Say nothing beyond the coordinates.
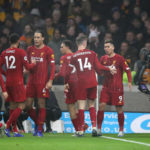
(41, 116)
(91, 105)
(81, 106)
(73, 115)
(120, 120)
(100, 117)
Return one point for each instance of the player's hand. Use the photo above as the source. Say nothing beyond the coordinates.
(66, 88)
(112, 69)
(33, 60)
(5, 95)
(49, 84)
(130, 86)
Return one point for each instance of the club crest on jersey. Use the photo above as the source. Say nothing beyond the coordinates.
(126, 63)
(61, 62)
(42, 53)
(104, 62)
(114, 62)
(52, 56)
(33, 53)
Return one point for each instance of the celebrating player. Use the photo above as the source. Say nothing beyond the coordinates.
(86, 63)
(112, 91)
(38, 82)
(66, 47)
(14, 60)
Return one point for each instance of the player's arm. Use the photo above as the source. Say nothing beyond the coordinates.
(4, 92)
(63, 67)
(127, 70)
(2, 84)
(51, 60)
(69, 69)
(99, 67)
(100, 72)
(26, 63)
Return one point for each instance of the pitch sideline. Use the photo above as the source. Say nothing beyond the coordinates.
(124, 140)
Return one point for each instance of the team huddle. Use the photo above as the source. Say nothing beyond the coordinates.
(80, 84)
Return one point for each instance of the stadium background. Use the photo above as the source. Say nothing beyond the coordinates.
(127, 22)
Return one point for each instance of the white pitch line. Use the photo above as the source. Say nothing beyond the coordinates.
(124, 140)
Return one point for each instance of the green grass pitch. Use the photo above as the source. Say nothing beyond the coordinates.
(68, 142)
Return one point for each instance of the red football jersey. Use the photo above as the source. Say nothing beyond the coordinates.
(86, 64)
(14, 60)
(64, 64)
(114, 82)
(44, 57)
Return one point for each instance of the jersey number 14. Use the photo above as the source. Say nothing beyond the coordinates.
(85, 64)
(10, 61)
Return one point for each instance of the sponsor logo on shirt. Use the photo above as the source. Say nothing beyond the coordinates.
(68, 57)
(38, 59)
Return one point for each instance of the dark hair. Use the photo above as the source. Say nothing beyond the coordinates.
(40, 31)
(109, 41)
(80, 39)
(68, 43)
(14, 37)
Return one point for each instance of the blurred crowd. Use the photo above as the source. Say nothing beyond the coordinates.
(127, 22)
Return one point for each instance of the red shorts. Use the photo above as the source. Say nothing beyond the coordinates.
(16, 93)
(37, 91)
(111, 98)
(70, 97)
(86, 93)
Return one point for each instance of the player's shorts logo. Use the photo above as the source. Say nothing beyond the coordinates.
(120, 99)
(141, 124)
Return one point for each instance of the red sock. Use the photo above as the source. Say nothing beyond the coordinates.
(81, 120)
(32, 114)
(121, 121)
(75, 123)
(13, 117)
(14, 126)
(100, 118)
(93, 116)
(41, 118)
(14, 123)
